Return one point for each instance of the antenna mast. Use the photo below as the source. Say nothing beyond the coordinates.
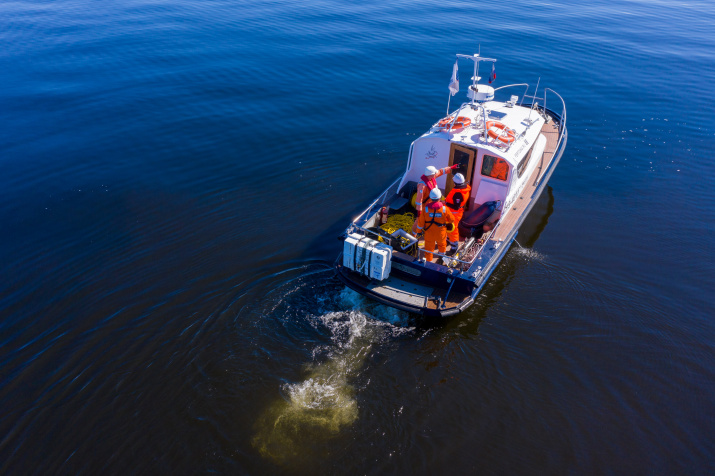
(475, 79)
(533, 103)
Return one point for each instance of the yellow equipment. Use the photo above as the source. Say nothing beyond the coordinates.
(395, 222)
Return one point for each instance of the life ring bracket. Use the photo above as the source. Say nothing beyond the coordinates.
(450, 122)
(499, 130)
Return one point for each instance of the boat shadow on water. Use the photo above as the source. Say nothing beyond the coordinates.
(516, 258)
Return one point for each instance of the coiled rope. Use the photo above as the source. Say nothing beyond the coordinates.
(395, 222)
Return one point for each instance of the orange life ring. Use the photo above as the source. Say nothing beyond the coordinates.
(498, 130)
(459, 123)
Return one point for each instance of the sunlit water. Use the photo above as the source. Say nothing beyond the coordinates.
(174, 176)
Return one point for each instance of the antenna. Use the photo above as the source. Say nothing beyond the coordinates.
(533, 103)
(477, 59)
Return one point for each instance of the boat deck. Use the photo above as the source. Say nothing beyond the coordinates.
(406, 294)
(551, 132)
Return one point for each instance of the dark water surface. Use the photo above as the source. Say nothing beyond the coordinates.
(174, 176)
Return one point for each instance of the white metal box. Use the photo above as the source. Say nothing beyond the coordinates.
(367, 256)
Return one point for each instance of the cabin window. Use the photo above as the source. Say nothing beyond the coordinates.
(495, 167)
(524, 162)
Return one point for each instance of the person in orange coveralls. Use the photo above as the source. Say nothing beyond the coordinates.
(429, 182)
(456, 201)
(433, 221)
(499, 170)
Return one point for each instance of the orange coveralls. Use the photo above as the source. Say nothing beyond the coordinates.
(433, 221)
(500, 170)
(423, 190)
(456, 201)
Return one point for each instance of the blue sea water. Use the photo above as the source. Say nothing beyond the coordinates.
(175, 174)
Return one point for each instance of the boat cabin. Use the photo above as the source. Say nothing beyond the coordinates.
(494, 165)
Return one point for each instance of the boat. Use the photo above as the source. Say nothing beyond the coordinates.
(506, 149)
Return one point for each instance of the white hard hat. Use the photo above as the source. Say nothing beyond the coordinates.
(430, 170)
(459, 178)
(435, 194)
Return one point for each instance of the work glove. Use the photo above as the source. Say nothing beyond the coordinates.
(455, 166)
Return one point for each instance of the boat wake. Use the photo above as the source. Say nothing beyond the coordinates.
(317, 408)
(529, 254)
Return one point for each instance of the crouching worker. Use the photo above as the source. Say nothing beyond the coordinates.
(456, 201)
(433, 222)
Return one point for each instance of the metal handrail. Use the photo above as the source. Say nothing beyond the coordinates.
(409, 158)
(484, 117)
(379, 198)
(456, 115)
(515, 85)
(421, 251)
(562, 122)
(485, 237)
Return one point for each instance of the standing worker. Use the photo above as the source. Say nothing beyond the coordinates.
(456, 200)
(499, 169)
(428, 183)
(434, 222)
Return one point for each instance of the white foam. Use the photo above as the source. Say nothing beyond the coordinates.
(356, 301)
(319, 393)
(531, 254)
(324, 402)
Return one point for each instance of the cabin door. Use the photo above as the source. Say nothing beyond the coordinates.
(464, 156)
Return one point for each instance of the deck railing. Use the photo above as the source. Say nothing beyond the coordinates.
(526, 88)
(391, 190)
(562, 114)
(562, 121)
(452, 262)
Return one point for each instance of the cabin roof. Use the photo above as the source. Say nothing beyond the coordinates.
(525, 123)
